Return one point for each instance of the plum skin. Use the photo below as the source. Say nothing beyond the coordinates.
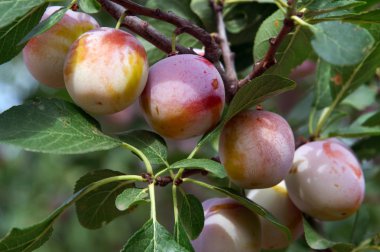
(228, 227)
(105, 70)
(44, 55)
(326, 180)
(184, 96)
(256, 148)
(276, 200)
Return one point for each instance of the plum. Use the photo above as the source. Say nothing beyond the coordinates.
(326, 180)
(256, 148)
(229, 227)
(105, 70)
(184, 96)
(276, 200)
(44, 55)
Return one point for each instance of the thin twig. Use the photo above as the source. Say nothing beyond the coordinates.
(149, 33)
(143, 28)
(274, 43)
(231, 82)
(183, 25)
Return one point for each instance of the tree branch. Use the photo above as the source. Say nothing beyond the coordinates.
(269, 59)
(142, 28)
(149, 33)
(228, 56)
(183, 25)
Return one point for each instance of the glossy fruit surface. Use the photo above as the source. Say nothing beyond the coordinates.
(326, 180)
(276, 200)
(105, 71)
(229, 227)
(44, 55)
(256, 148)
(184, 96)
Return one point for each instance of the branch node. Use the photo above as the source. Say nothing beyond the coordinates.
(178, 182)
(148, 177)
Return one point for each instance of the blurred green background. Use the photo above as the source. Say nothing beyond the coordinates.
(32, 185)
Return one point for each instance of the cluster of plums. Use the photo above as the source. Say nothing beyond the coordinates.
(105, 70)
(322, 179)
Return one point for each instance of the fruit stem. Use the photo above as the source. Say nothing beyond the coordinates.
(120, 20)
(149, 170)
(174, 42)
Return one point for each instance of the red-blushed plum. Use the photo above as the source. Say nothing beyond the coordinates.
(229, 227)
(44, 55)
(105, 70)
(326, 180)
(256, 148)
(184, 96)
(276, 200)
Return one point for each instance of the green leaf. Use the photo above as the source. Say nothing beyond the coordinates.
(341, 43)
(257, 91)
(242, 22)
(347, 79)
(181, 236)
(90, 6)
(358, 127)
(53, 126)
(323, 97)
(207, 164)
(367, 148)
(27, 239)
(151, 144)
(152, 237)
(191, 215)
(373, 120)
(205, 13)
(293, 50)
(11, 34)
(372, 16)
(97, 208)
(248, 204)
(268, 29)
(316, 241)
(130, 197)
(10, 10)
(362, 98)
(238, 17)
(318, 6)
(45, 25)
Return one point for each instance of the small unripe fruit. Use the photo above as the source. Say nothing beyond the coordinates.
(276, 200)
(184, 96)
(105, 70)
(256, 149)
(326, 180)
(229, 227)
(44, 55)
